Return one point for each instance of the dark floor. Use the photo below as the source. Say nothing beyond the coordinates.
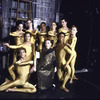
(87, 87)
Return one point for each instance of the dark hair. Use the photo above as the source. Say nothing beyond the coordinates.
(60, 34)
(64, 19)
(42, 23)
(27, 33)
(21, 49)
(29, 19)
(19, 22)
(52, 41)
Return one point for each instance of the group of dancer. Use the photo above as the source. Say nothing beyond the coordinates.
(56, 48)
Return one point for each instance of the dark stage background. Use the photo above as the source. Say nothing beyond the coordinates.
(85, 14)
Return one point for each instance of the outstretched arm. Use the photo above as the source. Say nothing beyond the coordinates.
(14, 34)
(13, 46)
(24, 63)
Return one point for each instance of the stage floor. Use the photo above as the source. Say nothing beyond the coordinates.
(87, 87)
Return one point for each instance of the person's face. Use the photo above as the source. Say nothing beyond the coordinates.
(29, 23)
(63, 23)
(48, 44)
(43, 27)
(20, 27)
(22, 53)
(27, 37)
(53, 26)
(61, 37)
(73, 31)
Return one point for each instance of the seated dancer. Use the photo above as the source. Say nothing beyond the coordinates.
(63, 69)
(52, 34)
(71, 44)
(42, 36)
(45, 67)
(31, 30)
(30, 51)
(22, 67)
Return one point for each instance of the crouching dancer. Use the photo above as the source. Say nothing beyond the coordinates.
(22, 67)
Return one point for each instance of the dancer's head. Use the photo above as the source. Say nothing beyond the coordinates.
(43, 26)
(27, 36)
(48, 43)
(53, 26)
(19, 25)
(74, 30)
(61, 36)
(29, 23)
(63, 22)
(22, 52)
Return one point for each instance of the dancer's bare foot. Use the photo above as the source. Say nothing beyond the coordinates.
(64, 88)
(10, 89)
(7, 80)
(75, 77)
(70, 81)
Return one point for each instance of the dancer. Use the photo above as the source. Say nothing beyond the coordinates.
(63, 69)
(64, 29)
(22, 67)
(71, 44)
(31, 30)
(18, 37)
(30, 51)
(52, 34)
(42, 36)
(45, 67)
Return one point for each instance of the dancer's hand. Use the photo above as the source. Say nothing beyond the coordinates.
(32, 70)
(65, 66)
(6, 44)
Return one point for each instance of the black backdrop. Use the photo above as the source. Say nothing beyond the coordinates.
(85, 14)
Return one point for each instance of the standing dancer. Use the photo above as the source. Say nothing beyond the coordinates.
(31, 30)
(71, 44)
(65, 30)
(42, 36)
(52, 34)
(63, 69)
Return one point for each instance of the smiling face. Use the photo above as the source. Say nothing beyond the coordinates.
(61, 37)
(48, 44)
(53, 26)
(20, 27)
(27, 37)
(22, 53)
(63, 23)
